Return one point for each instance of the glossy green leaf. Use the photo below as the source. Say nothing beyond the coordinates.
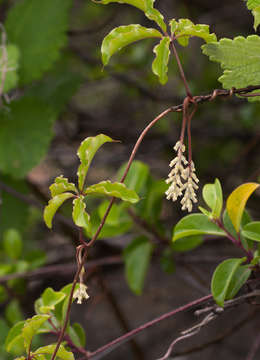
(13, 313)
(40, 35)
(236, 202)
(32, 120)
(31, 327)
(144, 5)
(160, 63)
(50, 299)
(61, 354)
(137, 257)
(62, 185)
(239, 278)
(196, 224)
(123, 36)
(86, 152)
(12, 243)
(222, 279)
(53, 206)
(9, 60)
(205, 212)
(79, 215)
(239, 60)
(212, 195)
(116, 189)
(252, 230)
(184, 29)
(187, 243)
(14, 341)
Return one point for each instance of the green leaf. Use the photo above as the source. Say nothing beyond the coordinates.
(13, 244)
(31, 327)
(229, 226)
(212, 195)
(13, 312)
(52, 207)
(252, 230)
(61, 354)
(14, 342)
(62, 185)
(167, 262)
(117, 215)
(116, 189)
(35, 259)
(254, 6)
(32, 120)
(145, 5)
(184, 29)
(137, 257)
(86, 152)
(187, 243)
(79, 215)
(9, 57)
(40, 35)
(150, 207)
(222, 278)
(123, 36)
(80, 334)
(160, 63)
(196, 224)
(239, 59)
(50, 299)
(238, 280)
(136, 177)
(236, 202)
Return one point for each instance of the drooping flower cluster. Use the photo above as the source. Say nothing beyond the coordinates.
(182, 179)
(81, 293)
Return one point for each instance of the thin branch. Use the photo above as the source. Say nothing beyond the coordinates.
(220, 337)
(105, 349)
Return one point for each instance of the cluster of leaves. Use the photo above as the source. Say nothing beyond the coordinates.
(235, 224)
(50, 311)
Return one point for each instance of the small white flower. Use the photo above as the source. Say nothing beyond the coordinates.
(81, 293)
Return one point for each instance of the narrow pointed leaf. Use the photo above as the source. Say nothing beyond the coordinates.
(123, 36)
(222, 278)
(160, 64)
(52, 207)
(116, 189)
(137, 256)
(236, 202)
(212, 195)
(61, 185)
(252, 230)
(86, 152)
(196, 224)
(31, 327)
(62, 353)
(80, 216)
(184, 29)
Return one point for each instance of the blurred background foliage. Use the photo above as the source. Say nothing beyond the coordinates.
(62, 94)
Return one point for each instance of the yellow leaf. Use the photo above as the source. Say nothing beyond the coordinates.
(236, 202)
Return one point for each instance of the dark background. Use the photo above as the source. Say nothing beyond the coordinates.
(120, 101)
